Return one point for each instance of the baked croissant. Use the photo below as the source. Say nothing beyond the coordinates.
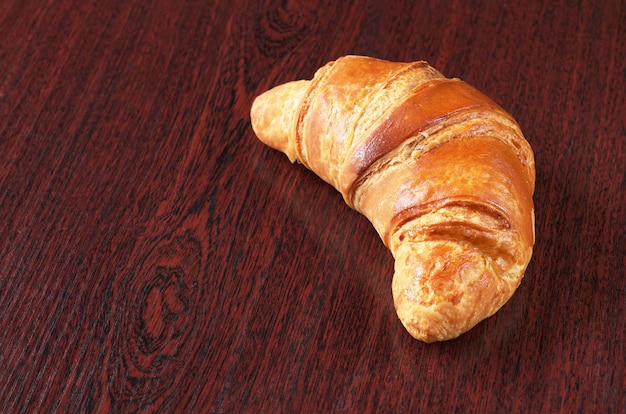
(442, 172)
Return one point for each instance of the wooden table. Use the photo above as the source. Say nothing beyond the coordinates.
(156, 257)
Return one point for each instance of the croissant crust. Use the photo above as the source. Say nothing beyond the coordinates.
(442, 172)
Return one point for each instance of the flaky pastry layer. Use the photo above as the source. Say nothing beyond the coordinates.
(444, 174)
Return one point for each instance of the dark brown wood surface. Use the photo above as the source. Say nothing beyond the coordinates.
(156, 257)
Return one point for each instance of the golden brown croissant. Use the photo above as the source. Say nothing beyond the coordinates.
(443, 173)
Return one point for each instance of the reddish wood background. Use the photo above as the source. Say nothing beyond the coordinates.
(155, 257)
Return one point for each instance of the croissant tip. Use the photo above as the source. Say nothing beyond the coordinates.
(443, 289)
(273, 116)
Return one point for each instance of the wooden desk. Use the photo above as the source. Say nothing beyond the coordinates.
(156, 257)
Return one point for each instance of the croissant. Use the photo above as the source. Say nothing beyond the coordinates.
(442, 172)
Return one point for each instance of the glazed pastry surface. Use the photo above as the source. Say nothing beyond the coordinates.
(442, 172)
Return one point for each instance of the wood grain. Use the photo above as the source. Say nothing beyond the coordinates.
(155, 257)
